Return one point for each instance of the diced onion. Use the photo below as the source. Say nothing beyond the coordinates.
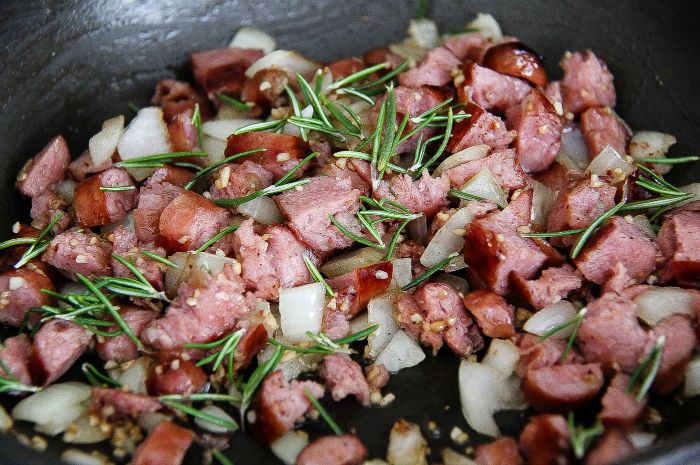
(222, 128)
(127, 221)
(192, 266)
(215, 149)
(502, 355)
(359, 323)
(146, 135)
(694, 189)
(408, 50)
(292, 364)
(350, 261)
(407, 446)
(450, 457)
(217, 412)
(573, 151)
(66, 189)
(484, 185)
(475, 152)
(659, 303)
(288, 447)
(301, 310)
(251, 37)
(641, 439)
(609, 161)
(460, 284)
(73, 456)
(652, 144)
(692, 379)
(549, 317)
(543, 199)
(82, 431)
(643, 224)
(401, 272)
(263, 210)
(291, 62)
(149, 420)
(55, 407)
(424, 33)
(5, 420)
(133, 376)
(103, 144)
(457, 263)
(479, 393)
(448, 239)
(380, 310)
(401, 352)
(487, 26)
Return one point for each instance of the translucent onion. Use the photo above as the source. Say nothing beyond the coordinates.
(460, 284)
(222, 128)
(484, 185)
(424, 33)
(251, 37)
(659, 303)
(291, 62)
(5, 420)
(127, 221)
(133, 376)
(216, 412)
(643, 224)
(401, 352)
(263, 210)
(652, 144)
(549, 317)
(82, 431)
(215, 149)
(301, 310)
(349, 261)
(55, 407)
(103, 144)
(573, 151)
(380, 310)
(401, 272)
(641, 439)
(608, 161)
(487, 26)
(66, 189)
(194, 267)
(502, 355)
(288, 447)
(475, 152)
(147, 134)
(149, 420)
(407, 446)
(543, 199)
(479, 393)
(450, 457)
(292, 364)
(73, 456)
(448, 239)
(692, 379)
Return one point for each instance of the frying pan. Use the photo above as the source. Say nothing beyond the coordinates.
(69, 65)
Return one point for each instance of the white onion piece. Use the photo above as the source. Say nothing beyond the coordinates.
(549, 317)
(228, 112)
(359, 323)
(456, 264)
(146, 135)
(401, 352)
(134, 376)
(692, 379)
(127, 221)
(475, 152)
(289, 446)
(652, 144)
(659, 303)
(251, 37)
(222, 128)
(292, 364)
(55, 407)
(408, 50)
(174, 275)
(215, 412)
(446, 241)
(66, 189)
(380, 311)
(480, 394)
(73, 456)
(5, 420)
(149, 420)
(484, 185)
(350, 261)
(401, 272)
(694, 189)
(450, 457)
(502, 355)
(215, 149)
(103, 144)
(487, 25)
(263, 210)
(301, 310)
(641, 439)
(291, 62)
(573, 151)
(407, 446)
(543, 199)
(460, 284)
(642, 223)
(424, 33)
(83, 432)
(194, 267)
(609, 161)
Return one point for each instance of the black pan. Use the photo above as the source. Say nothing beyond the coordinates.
(69, 65)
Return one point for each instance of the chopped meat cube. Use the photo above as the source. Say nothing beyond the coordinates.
(344, 377)
(46, 207)
(609, 449)
(124, 244)
(586, 82)
(269, 95)
(501, 164)
(563, 387)
(80, 252)
(170, 175)
(282, 151)
(481, 128)
(223, 70)
(257, 262)
(176, 97)
(166, 444)
(545, 440)
(553, 285)
(288, 253)
(176, 376)
(153, 198)
(681, 340)
(121, 348)
(84, 165)
(123, 403)
(621, 408)
(233, 180)
(435, 69)
(502, 451)
(96, 207)
(493, 314)
(602, 127)
(57, 346)
(45, 169)
(356, 288)
(20, 290)
(490, 90)
(15, 354)
(426, 195)
(536, 354)
(679, 241)
(469, 46)
(338, 450)
(184, 136)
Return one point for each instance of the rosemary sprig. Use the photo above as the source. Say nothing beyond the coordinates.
(568, 232)
(422, 9)
(117, 188)
(158, 160)
(429, 272)
(296, 108)
(217, 237)
(657, 202)
(312, 99)
(377, 86)
(271, 125)
(316, 274)
(357, 94)
(317, 125)
(257, 377)
(291, 173)
(218, 455)
(158, 258)
(97, 378)
(270, 190)
(233, 102)
(228, 346)
(353, 236)
(363, 156)
(388, 134)
(581, 437)
(465, 196)
(581, 241)
(16, 241)
(443, 144)
(323, 412)
(357, 76)
(197, 122)
(189, 410)
(576, 321)
(653, 187)
(656, 177)
(133, 107)
(38, 245)
(395, 240)
(207, 169)
(326, 346)
(10, 383)
(200, 397)
(667, 161)
(648, 368)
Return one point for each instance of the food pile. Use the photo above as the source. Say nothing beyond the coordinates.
(281, 234)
